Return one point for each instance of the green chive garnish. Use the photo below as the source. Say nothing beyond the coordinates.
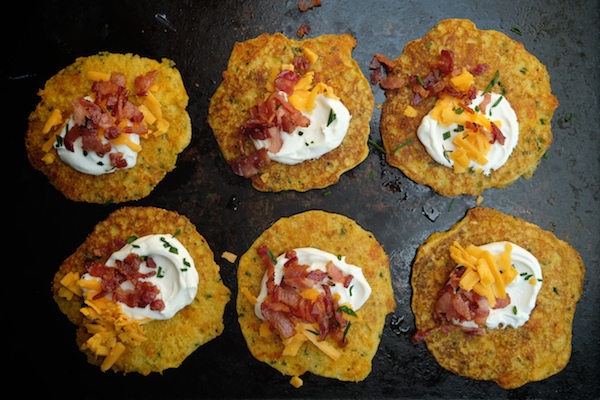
(401, 145)
(492, 82)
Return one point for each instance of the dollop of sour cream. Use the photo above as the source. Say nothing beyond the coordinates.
(437, 138)
(329, 122)
(176, 276)
(90, 162)
(354, 296)
(523, 290)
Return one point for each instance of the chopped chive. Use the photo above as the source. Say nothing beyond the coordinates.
(347, 310)
(377, 146)
(515, 310)
(177, 233)
(401, 145)
(131, 239)
(446, 135)
(160, 273)
(459, 128)
(420, 80)
(516, 30)
(326, 193)
(450, 206)
(492, 82)
(331, 117)
(350, 290)
(568, 117)
(459, 111)
(497, 102)
(272, 257)
(346, 331)
(523, 70)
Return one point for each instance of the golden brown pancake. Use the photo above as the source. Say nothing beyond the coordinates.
(335, 234)
(510, 357)
(248, 71)
(159, 152)
(524, 79)
(168, 342)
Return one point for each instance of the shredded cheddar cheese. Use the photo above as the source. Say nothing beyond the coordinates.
(111, 331)
(296, 382)
(486, 274)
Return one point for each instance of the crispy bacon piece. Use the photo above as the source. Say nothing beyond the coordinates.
(498, 135)
(305, 5)
(143, 83)
(250, 165)
(303, 30)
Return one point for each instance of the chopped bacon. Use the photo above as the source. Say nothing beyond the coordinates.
(143, 83)
(117, 160)
(285, 307)
(305, 5)
(487, 98)
(304, 29)
(286, 80)
(479, 69)
(141, 295)
(301, 63)
(392, 82)
(250, 165)
(498, 135)
(446, 64)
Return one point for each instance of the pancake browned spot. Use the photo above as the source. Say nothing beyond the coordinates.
(168, 342)
(523, 79)
(248, 71)
(338, 235)
(159, 152)
(511, 357)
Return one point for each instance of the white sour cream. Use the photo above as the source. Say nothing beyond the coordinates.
(176, 276)
(431, 134)
(523, 293)
(89, 162)
(307, 143)
(355, 296)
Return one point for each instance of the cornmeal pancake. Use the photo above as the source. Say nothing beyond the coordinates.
(248, 74)
(523, 80)
(165, 116)
(338, 235)
(167, 342)
(511, 357)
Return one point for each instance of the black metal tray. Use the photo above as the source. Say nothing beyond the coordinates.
(44, 227)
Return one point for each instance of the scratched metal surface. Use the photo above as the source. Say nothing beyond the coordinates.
(44, 228)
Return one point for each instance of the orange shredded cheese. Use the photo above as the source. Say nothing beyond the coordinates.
(410, 112)
(486, 274)
(296, 382)
(54, 119)
(111, 331)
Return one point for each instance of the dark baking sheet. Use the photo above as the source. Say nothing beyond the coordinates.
(44, 228)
